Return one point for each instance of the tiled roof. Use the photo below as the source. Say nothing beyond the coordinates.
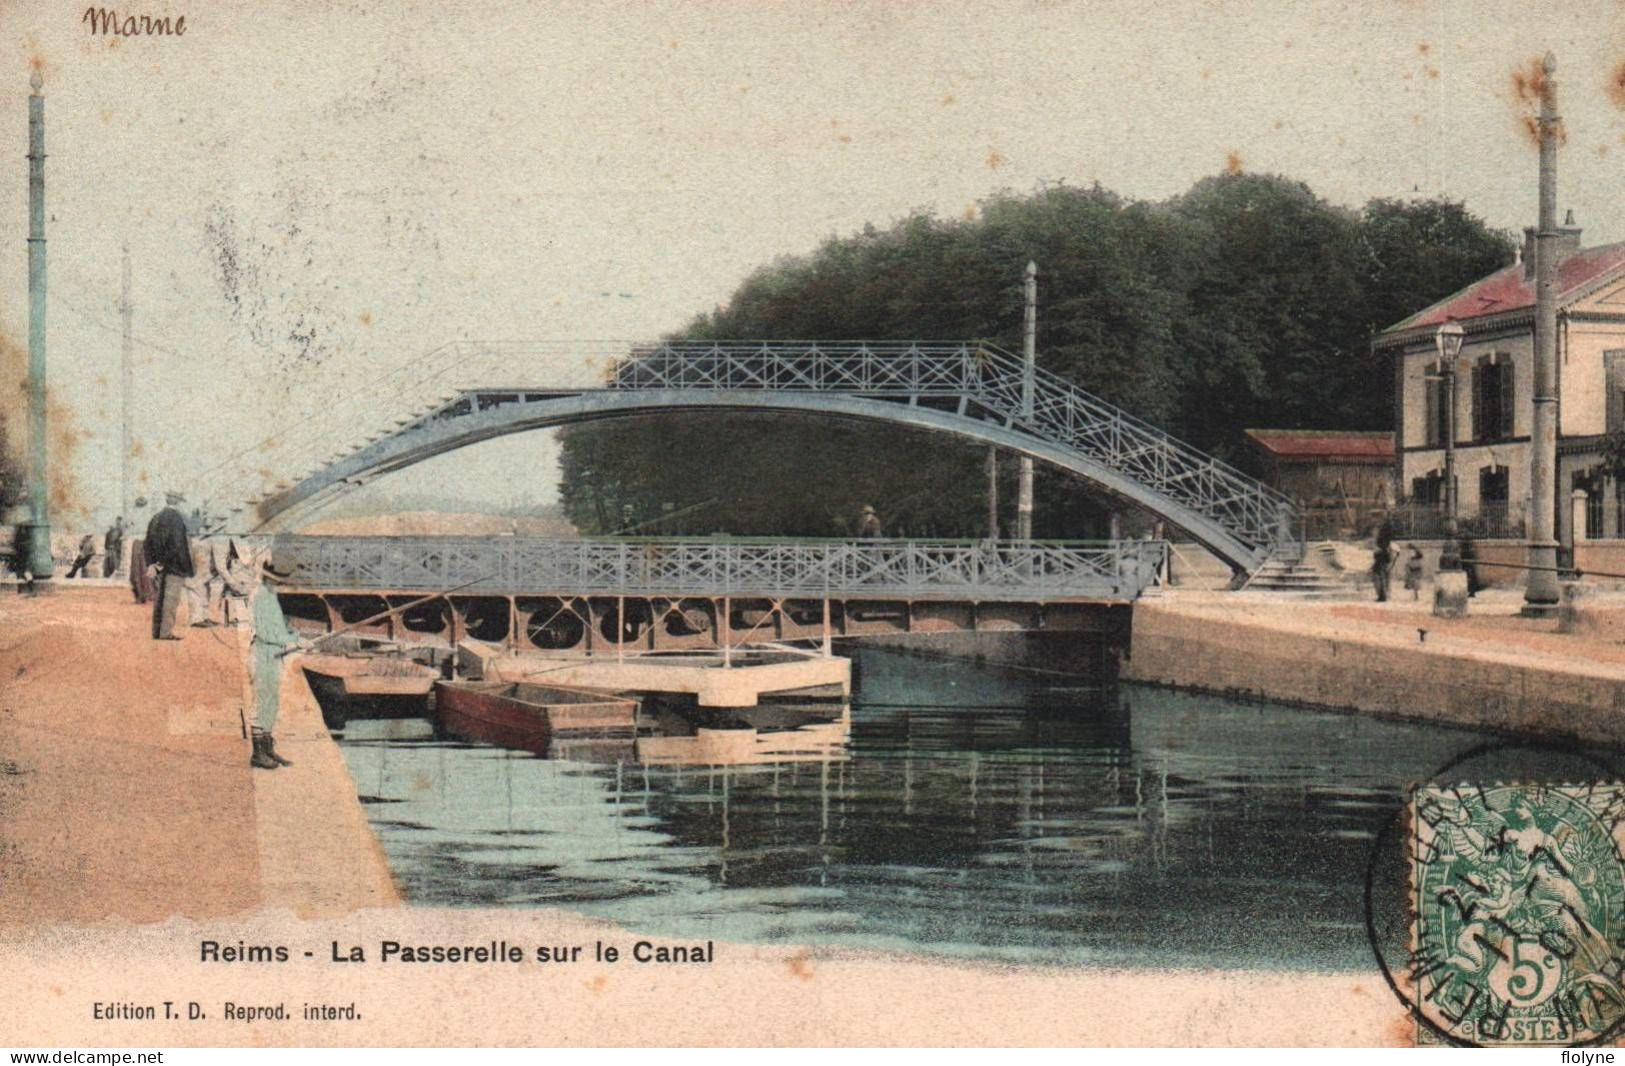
(1343, 445)
(1508, 290)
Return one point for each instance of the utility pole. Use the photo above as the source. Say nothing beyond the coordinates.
(1541, 593)
(127, 460)
(39, 564)
(1029, 352)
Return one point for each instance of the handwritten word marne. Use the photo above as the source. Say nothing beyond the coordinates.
(105, 20)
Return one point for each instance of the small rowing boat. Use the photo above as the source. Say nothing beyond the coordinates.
(367, 686)
(529, 717)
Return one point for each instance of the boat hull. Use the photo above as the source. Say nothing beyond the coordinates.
(530, 717)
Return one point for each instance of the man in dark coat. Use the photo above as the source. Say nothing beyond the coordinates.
(169, 549)
(113, 548)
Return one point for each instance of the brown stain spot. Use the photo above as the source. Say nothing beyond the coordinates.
(136, 449)
(114, 42)
(994, 159)
(1431, 72)
(1423, 48)
(969, 214)
(1616, 84)
(1279, 123)
(63, 438)
(1207, 72)
(1531, 130)
(1232, 162)
(844, 138)
(56, 990)
(1529, 81)
(598, 984)
(800, 964)
(1601, 150)
(421, 781)
(366, 318)
(949, 100)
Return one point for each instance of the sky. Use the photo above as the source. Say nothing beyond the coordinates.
(319, 197)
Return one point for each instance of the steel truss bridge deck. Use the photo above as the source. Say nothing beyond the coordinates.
(1032, 572)
(973, 389)
(586, 597)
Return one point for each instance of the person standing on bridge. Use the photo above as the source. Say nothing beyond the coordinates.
(271, 644)
(868, 524)
(169, 550)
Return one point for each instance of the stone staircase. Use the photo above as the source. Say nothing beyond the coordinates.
(1312, 577)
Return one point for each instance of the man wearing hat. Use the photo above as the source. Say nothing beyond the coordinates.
(271, 643)
(868, 524)
(170, 550)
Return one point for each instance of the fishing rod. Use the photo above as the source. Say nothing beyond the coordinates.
(386, 613)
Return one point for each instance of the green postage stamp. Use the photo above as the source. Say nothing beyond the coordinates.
(1518, 927)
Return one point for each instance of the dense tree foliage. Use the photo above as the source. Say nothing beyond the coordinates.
(1246, 301)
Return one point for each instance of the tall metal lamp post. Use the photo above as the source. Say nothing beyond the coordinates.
(1449, 340)
(39, 562)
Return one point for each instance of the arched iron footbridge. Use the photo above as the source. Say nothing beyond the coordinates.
(972, 389)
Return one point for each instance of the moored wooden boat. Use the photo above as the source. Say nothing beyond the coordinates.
(529, 717)
(367, 686)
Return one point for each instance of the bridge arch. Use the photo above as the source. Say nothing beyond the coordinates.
(487, 414)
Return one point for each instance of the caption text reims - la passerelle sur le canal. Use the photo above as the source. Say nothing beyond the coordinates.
(499, 951)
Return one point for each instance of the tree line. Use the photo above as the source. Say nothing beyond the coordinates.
(1246, 301)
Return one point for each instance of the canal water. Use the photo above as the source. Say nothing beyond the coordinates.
(953, 809)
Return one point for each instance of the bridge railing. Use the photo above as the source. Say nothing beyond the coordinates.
(1025, 571)
(995, 380)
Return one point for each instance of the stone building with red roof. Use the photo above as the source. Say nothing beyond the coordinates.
(1494, 407)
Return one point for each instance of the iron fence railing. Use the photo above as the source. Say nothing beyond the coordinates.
(1427, 521)
(996, 381)
(1005, 570)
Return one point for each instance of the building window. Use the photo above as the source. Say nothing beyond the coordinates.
(1493, 397)
(1429, 489)
(1614, 364)
(1591, 483)
(1436, 409)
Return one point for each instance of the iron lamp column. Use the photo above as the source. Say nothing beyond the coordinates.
(1449, 341)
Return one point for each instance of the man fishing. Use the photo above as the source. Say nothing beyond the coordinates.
(271, 643)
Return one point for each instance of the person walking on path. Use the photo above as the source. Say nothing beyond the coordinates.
(140, 572)
(113, 547)
(271, 643)
(200, 586)
(1413, 573)
(81, 561)
(169, 550)
(1382, 563)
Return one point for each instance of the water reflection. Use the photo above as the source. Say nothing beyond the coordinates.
(951, 809)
